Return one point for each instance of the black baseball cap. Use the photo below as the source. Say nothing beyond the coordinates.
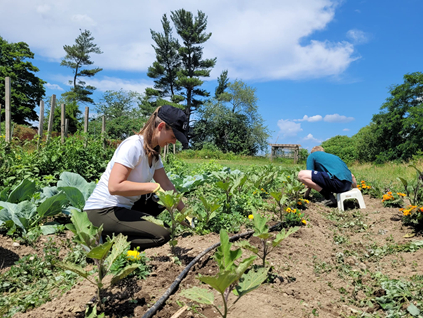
(176, 119)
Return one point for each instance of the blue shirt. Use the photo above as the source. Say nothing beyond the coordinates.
(331, 164)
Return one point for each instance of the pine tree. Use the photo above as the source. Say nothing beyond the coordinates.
(192, 31)
(78, 56)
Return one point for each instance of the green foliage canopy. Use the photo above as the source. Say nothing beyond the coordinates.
(26, 88)
(232, 123)
(342, 146)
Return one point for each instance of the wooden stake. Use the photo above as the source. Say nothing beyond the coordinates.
(8, 111)
(103, 130)
(51, 116)
(62, 124)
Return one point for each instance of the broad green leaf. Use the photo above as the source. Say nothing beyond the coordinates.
(276, 195)
(404, 182)
(23, 191)
(121, 246)
(52, 206)
(49, 229)
(75, 197)
(223, 185)
(14, 212)
(205, 203)
(220, 282)
(413, 310)
(74, 268)
(70, 179)
(246, 245)
(3, 194)
(200, 295)
(244, 265)
(251, 281)
(100, 251)
(224, 256)
(152, 219)
(260, 226)
(83, 226)
(282, 235)
(123, 273)
(263, 236)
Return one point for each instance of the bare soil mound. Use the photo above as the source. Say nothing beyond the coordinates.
(314, 271)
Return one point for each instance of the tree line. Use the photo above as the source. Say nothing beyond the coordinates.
(394, 134)
(230, 120)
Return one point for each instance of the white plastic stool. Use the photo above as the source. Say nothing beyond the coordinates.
(352, 194)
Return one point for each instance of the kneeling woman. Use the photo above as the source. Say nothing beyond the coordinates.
(123, 194)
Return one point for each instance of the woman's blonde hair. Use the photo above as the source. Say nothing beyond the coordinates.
(147, 131)
(317, 148)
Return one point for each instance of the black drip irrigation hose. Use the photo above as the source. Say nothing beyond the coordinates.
(181, 276)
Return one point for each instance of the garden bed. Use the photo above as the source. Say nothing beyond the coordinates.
(332, 267)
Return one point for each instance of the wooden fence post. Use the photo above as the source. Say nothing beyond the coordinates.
(8, 114)
(66, 127)
(103, 130)
(51, 117)
(87, 112)
(40, 124)
(62, 124)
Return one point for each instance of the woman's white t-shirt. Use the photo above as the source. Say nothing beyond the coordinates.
(129, 153)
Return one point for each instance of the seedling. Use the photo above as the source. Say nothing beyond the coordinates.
(89, 237)
(170, 200)
(268, 240)
(231, 277)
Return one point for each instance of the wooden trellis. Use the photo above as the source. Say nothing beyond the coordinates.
(293, 147)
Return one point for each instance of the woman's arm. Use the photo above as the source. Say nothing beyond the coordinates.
(160, 177)
(119, 184)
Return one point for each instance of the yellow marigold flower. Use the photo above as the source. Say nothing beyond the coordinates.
(304, 221)
(307, 201)
(406, 212)
(401, 194)
(262, 189)
(295, 210)
(133, 255)
(254, 192)
(251, 216)
(288, 210)
(369, 187)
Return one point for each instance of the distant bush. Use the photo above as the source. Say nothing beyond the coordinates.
(342, 146)
(209, 151)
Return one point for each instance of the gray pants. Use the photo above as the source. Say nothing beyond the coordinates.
(128, 222)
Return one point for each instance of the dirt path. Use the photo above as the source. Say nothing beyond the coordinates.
(326, 269)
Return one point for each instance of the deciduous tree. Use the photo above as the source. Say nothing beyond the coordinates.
(26, 89)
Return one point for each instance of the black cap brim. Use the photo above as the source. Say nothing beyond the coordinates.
(181, 137)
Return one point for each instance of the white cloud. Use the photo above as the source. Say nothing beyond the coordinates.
(54, 86)
(262, 40)
(336, 118)
(357, 36)
(106, 83)
(345, 129)
(311, 119)
(289, 128)
(311, 137)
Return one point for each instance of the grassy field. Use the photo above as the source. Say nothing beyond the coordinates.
(386, 174)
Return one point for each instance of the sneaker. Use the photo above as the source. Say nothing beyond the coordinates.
(331, 202)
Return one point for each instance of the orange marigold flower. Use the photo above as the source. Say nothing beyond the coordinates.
(401, 194)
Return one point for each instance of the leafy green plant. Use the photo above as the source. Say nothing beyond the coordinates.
(132, 257)
(19, 211)
(269, 241)
(170, 201)
(281, 201)
(414, 190)
(231, 277)
(104, 255)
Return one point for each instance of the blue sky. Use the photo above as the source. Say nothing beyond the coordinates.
(321, 67)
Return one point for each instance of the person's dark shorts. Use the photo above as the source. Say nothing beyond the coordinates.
(333, 185)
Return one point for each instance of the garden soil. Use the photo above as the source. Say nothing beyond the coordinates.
(300, 285)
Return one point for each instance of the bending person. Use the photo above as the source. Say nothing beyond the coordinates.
(124, 193)
(327, 174)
